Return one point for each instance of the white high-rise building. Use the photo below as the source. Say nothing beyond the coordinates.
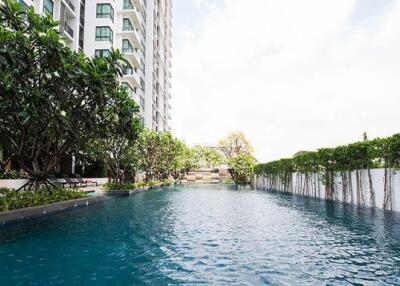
(140, 29)
(70, 13)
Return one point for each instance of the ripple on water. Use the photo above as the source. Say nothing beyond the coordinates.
(209, 235)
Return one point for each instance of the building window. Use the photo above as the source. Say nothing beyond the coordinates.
(127, 25)
(127, 5)
(142, 103)
(48, 7)
(126, 47)
(128, 70)
(101, 53)
(105, 11)
(23, 4)
(104, 34)
(142, 84)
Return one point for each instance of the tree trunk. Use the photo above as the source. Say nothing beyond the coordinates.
(387, 204)
(362, 188)
(371, 190)
(358, 188)
(350, 174)
(385, 188)
(344, 187)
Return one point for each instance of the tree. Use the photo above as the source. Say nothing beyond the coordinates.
(150, 152)
(242, 168)
(170, 152)
(235, 144)
(206, 157)
(53, 100)
(5, 156)
(119, 154)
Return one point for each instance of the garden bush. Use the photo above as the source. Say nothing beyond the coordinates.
(11, 200)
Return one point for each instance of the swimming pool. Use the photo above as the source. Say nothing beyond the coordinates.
(205, 234)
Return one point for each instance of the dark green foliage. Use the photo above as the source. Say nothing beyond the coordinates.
(13, 175)
(120, 186)
(11, 200)
(242, 168)
(131, 186)
(54, 101)
(370, 154)
(161, 155)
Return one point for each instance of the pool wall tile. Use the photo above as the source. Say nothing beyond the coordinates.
(15, 216)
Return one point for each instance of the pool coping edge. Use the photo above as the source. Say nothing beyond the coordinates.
(19, 215)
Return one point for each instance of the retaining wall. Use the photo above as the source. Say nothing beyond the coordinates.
(357, 187)
(19, 215)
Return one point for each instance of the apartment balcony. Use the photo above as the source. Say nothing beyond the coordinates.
(132, 36)
(131, 77)
(132, 57)
(70, 9)
(131, 14)
(67, 31)
(136, 3)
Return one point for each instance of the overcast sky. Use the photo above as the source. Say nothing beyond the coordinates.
(293, 75)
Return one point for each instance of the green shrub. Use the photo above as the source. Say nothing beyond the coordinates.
(242, 168)
(120, 186)
(168, 182)
(377, 153)
(11, 200)
(141, 184)
(131, 186)
(154, 183)
(13, 175)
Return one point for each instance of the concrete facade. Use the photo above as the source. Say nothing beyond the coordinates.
(70, 13)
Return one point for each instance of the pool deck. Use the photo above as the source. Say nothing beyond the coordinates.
(20, 215)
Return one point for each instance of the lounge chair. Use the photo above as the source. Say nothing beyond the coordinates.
(53, 180)
(72, 183)
(82, 181)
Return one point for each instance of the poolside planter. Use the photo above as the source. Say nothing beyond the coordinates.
(19, 215)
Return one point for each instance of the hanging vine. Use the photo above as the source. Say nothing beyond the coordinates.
(345, 163)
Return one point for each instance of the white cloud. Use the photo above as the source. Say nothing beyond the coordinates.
(293, 75)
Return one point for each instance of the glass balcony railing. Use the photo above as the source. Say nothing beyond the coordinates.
(128, 51)
(127, 29)
(128, 71)
(127, 5)
(69, 30)
(70, 5)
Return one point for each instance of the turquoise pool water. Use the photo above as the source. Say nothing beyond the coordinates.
(210, 235)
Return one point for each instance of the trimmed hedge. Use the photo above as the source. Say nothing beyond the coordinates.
(131, 186)
(12, 200)
(13, 175)
(377, 153)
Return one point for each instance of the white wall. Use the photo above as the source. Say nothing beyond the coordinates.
(16, 184)
(314, 187)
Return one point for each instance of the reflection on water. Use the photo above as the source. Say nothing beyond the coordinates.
(205, 235)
